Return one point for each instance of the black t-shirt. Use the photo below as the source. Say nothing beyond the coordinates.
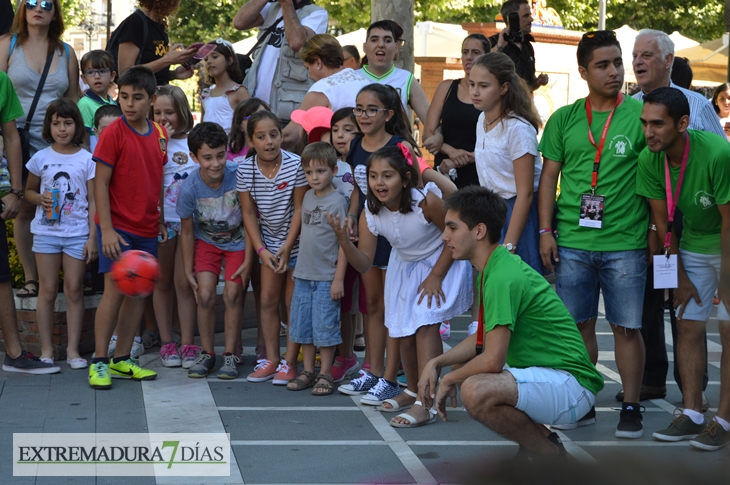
(158, 43)
(524, 58)
(6, 16)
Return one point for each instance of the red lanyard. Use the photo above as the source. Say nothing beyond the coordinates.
(599, 147)
(480, 318)
(673, 199)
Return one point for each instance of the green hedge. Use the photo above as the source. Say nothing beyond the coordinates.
(16, 269)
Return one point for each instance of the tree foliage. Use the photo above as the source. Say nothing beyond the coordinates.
(205, 20)
(74, 11)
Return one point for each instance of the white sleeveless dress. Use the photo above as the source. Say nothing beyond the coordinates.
(411, 261)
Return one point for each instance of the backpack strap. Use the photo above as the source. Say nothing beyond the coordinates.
(67, 48)
(13, 41)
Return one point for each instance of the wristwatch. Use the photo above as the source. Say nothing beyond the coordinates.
(510, 247)
(19, 193)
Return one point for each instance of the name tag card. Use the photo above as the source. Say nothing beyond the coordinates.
(665, 271)
(591, 210)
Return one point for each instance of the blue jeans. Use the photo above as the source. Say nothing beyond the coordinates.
(620, 275)
(146, 244)
(315, 316)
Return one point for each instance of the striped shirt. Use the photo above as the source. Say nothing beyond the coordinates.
(274, 197)
(702, 114)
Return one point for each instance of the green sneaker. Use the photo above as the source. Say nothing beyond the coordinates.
(682, 428)
(99, 377)
(712, 438)
(128, 369)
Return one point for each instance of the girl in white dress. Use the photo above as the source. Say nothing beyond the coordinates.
(424, 285)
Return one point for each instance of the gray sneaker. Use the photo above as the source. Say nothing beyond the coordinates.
(682, 428)
(204, 365)
(712, 438)
(28, 363)
(228, 369)
(137, 350)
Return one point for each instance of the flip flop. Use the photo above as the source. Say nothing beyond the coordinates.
(397, 407)
(28, 290)
(412, 423)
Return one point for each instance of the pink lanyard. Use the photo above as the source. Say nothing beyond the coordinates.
(673, 199)
(599, 147)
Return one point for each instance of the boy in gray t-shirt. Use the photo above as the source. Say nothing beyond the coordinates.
(319, 273)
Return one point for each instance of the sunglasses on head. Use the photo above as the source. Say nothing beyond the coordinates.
(45, 5)
(599, 34)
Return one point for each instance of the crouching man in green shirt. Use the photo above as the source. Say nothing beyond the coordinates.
(697, 165)
(522, 323)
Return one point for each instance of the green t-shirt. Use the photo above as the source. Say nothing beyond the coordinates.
(565, 140)
(706, 184)
(88, 104)
(543, 332)
(10, 108)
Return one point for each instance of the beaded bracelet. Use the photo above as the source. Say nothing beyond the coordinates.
(545, 230)
(258, 252)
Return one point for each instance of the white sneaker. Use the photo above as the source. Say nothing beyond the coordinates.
(472, 328)
(137, 349)
(169, 355)
(112, 347)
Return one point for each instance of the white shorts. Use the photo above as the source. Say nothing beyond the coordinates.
(551, 396)
(703, 271)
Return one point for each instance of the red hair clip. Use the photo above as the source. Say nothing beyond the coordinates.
(406, 153)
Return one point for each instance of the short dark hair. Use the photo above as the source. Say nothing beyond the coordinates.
(511, 6)
(139, 77)
(674, 99)
(64, 108)
(97, 59)
(388, 25)
(352, 50)
(682, 73)
(592, 41)
(321, 152)
(479, 205)
(208, 133)
(106, 110)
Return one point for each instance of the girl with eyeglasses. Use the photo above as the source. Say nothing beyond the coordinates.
(219, 100)
(36, 37)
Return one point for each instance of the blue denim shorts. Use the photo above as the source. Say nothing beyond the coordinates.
(703, 270)
(73, 246)
(551, 396)
(315, 316)
(619, 275)
(146, 244)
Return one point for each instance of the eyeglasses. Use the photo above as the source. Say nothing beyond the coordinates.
(599, 34)
(101, 72)
(371, 112)
(32, 4)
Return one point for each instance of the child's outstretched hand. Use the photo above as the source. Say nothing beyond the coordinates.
(91, 251)
(111, 244)
(351, 226)
(194, 284)
(431, 287)
(335, 222)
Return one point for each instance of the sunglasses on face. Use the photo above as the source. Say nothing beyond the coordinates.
(33, 4)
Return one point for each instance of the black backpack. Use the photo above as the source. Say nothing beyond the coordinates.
(112, 47)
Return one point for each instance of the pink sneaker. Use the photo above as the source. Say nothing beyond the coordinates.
(189, 354)
(169, 355)
(342, 367)
(284, 373)
(264, 371)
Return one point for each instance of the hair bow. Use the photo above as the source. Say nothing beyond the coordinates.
(406, 153)
(177, 176)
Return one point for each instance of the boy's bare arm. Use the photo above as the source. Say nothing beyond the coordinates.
(111, 241)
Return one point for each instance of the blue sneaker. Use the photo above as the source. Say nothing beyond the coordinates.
(359, 385)
(380, 392)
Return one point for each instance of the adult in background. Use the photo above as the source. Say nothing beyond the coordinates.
(335, 86)
(352, 57)
(452, 108)
(35, 37)
(278, 75)
(6, 16)
(721, 103)
(653, 58)
(682, 74)
(157, 53)
(521, 53)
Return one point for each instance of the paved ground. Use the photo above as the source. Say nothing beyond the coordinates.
(282, 437)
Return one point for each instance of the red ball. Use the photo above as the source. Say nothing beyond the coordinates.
(136, 273)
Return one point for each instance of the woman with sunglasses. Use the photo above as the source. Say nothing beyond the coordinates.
(36, 37)
(157, 53)
(223, 73)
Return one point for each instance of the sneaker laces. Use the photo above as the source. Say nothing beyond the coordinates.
(379, 387)
(283, 367)
(168, 350)
(711, 429)
(189, 351)
(230, 360)
(263, 364)
(101, 369)
(202, 358)
(360, 380)
(29, 356)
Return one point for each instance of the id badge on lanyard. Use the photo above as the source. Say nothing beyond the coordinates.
(593, 205)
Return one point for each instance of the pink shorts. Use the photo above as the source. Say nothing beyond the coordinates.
(209, 258)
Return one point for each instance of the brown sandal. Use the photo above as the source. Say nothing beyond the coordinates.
(323, 388)
(304, 380)
(28, 290)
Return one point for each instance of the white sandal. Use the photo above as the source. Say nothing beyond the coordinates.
(412, 423)
(397, 407)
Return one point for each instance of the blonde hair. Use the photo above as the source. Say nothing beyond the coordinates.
(324, 47)
(181, 106)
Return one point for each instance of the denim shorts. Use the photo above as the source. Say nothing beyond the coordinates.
(315, 316)
(703, 271)
(146, 244)
(73, 246)
(551, 396)
(619, 275)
